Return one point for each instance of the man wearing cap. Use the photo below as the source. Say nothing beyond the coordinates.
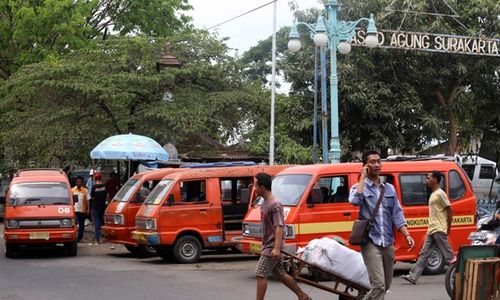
(98, 196)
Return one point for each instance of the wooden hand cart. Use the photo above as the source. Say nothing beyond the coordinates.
(332, 283)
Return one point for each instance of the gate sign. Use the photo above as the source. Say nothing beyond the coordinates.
(432, 42)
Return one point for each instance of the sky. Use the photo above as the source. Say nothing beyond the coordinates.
(248, 30)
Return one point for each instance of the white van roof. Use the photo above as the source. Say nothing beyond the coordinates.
(474, 160)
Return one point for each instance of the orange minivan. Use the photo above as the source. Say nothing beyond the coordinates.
(315, 202)
(39, 211)
(197, 209)
(119, 217)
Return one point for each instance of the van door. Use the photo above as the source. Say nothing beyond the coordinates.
(328, 211)
(191, 210)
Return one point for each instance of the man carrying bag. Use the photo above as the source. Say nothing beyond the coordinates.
(380, 207)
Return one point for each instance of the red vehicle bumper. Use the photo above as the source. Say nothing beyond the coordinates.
(40, 236)
(119, 235)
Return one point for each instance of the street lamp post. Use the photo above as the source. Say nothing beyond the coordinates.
(336, 35)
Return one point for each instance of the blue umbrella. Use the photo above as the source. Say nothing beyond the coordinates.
(129, 147)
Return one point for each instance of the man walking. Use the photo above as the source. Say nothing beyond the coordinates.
(378, 250)
(273, 223)
(440, 218)
(81, 207)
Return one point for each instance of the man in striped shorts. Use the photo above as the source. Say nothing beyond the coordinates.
(273, 223)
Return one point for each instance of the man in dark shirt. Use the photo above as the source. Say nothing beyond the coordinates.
(98, 196)
(273, 223)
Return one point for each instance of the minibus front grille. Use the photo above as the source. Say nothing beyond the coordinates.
(254, 230)
(40, 224)
(140, 223)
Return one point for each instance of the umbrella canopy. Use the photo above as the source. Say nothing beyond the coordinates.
(129, 147)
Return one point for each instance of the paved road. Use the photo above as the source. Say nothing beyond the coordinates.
(107, 271)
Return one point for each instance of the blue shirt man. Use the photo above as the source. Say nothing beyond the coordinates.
(378, 251)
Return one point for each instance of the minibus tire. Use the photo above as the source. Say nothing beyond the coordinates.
(71, 248)
(187, 249)
(10, 250)
(435, 263)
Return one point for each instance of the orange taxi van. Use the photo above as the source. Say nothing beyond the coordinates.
(315, 201)
(119, 217)
(197, 209)
(39, 211)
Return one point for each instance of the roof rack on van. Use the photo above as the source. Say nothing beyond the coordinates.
(38, 169)
(218, 164)
(420, 158)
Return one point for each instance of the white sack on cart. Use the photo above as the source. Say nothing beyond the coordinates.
(338, 259)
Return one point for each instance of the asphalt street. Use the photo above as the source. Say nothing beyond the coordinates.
(108, 271)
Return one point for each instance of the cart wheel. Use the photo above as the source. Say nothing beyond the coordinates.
(449, 280)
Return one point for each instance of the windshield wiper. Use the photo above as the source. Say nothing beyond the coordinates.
(55, 203)
(29, 200)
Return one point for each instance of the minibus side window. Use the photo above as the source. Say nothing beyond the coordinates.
(457, 186)
(414, 190)
(469, 170)
(487, 172)
(193, 191)
(332, 189)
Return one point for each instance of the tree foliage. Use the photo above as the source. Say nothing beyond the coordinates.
(395, 99)
(114, 87)
(32, 30)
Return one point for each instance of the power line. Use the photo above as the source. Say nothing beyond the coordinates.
(245, 13)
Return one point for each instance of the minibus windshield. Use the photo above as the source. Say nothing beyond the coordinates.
(288, 189)
(127, 190)
(39, 193)
(159, 192)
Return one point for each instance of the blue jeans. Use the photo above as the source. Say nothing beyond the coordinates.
(80, 219)
(96, 216)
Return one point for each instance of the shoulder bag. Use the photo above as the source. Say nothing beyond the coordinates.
(361, 228)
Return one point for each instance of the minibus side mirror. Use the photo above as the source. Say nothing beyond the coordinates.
(75, 198)
(245, 196)
(170, 199)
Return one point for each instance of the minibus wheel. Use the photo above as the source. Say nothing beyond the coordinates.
(435, 263)
(10, 249)
(71, 248)
(187, 249)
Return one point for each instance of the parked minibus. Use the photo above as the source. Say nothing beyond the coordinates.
(197, 209)
(119, 217)
(39, 211)
(315, 201)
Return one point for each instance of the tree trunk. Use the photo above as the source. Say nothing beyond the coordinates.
(447, 103)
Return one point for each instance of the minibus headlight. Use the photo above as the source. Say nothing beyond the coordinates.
(118, 220)
(246, 229)
(66, 222)
(12, 224)
(289, 232)
(150, 224)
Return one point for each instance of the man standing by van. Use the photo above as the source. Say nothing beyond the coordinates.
(440, 218)
(273, 240)
(378, 251)
(98, 195)
(81, 207)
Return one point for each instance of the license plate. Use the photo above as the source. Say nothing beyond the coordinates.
(477, 236)
(39, 236)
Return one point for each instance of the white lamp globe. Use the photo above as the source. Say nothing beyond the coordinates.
(294, 45)
(344, 47)
(320, 39)
(371, 40)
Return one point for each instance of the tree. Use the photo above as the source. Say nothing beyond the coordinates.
(32, 30)
(113, 87)
(393, 99)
